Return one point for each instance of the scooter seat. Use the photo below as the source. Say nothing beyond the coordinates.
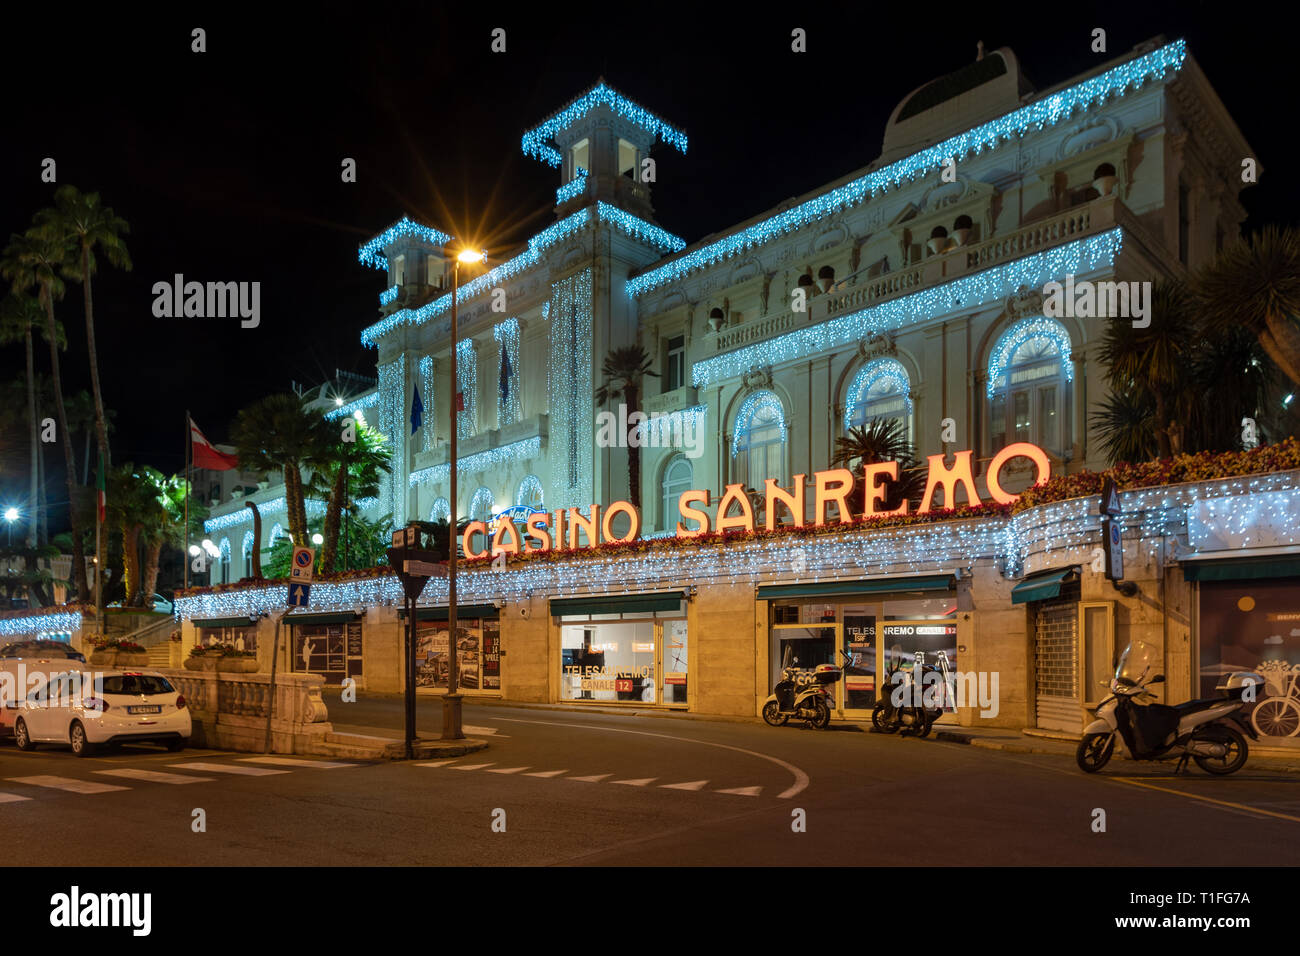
(1205, 703)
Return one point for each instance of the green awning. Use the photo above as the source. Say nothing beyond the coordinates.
(1243, 569)
(618, 604)
(1041, 586)
(221, 621)
(463, 611)
(323, 617)
(933, 582)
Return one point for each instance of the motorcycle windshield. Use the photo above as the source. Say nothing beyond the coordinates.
(1138, 663)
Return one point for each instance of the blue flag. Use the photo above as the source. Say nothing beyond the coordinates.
(417, 411)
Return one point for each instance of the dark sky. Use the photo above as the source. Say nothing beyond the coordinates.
(226, 163)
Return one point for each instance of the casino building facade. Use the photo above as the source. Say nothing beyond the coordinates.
(911, 289)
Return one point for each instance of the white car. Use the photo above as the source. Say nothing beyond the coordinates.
(86, 708)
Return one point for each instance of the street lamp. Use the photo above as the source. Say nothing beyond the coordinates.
(451, 709)
(11, 515)
(318, 538)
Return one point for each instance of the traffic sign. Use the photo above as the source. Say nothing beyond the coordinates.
(425, 569)
(1110, 498)
(299, 595)
(1114, 549)
(303, 564)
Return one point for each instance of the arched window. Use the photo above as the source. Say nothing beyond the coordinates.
(1029, 371)
(440, 511)
(880, 390)
(246, 549)
(529, 493)
(277, 532)
(480, 508)
(225, 560)
(679, 476)
(758, 451)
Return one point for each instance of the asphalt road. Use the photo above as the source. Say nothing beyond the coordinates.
(579, 788)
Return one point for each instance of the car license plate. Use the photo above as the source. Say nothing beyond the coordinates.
(151, 709)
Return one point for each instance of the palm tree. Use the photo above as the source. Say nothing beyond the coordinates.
(278, 433)
(31, 261)
(623, 370)
(132, 506)
(81, 217)
(1155, 362)
(1256, 285)
(881, 440)
(19, 315)
(168, 529)
(345, 472)
(1232, 378)
(1125, 421)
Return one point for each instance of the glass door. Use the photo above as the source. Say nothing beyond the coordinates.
(809, 646)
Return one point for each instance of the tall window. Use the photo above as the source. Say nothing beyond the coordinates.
(247, 551)
(480, 508)
(440, 511)
(529, 493)
(880, 390)
(225, 560)
(678, 477)
(758, 451)
(675, 365)
(275, 535)
(1028, 392)
(399, 270)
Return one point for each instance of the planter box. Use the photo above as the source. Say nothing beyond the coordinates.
(201, 663)
(115, 658)
(237, 665)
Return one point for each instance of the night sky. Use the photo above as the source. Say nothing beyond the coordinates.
(227, 163)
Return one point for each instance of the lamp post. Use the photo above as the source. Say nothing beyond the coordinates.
(451, 710)
(11, 515)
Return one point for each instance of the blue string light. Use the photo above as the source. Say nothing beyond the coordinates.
(529, 493)
(574, 187)
(1016, 336)
(368, 400)
(570, 387)
(37, 626)
(388, 295)
(536, 142)
(507, 337)
(372, 253)
(749, 408)
(482, 461)
(885, 369)
(1080, 256)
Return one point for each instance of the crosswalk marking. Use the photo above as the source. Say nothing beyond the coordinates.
(227, 768)
(436, 763)
(594, 778)
(691, 785)
(546, 773)
(470, 766)
(155, 776)
(743, 791)
(508, 770)
(481, 731)
(67, 783)
(297, 762)
(635, 783)
(11, 798)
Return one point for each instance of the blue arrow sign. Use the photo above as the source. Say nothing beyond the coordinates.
(299, 595)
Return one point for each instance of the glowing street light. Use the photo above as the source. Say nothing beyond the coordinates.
(11, 515)
(318, 538)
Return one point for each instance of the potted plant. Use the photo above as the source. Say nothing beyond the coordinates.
(202, 659)
(116, 652)
(237, 662)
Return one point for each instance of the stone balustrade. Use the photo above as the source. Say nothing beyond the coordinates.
(229, 710)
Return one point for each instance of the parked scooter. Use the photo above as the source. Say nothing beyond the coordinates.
(1207, 731)
(802, 694)
(912, 718)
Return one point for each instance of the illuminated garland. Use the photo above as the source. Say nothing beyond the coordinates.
(1024, 331)
(748, 409)
(388, 295)
(480, 506)
(440, 510)
(369, 400)
(574, 187)
(1038, 115)
(392, 423)
(569, 385)
(507, 337)
(888, 369)
(429, 397)
(570, 225)
(467, 382)
(536, 142)
(372, 253)
(1078, 257)
(670, 430)
(41, 625)
(482, 461)
(530, 493)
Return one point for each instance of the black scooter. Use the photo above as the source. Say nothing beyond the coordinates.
(910, 717)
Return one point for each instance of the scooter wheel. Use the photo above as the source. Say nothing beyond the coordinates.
(881, 721)
(1235, 750)
(772, 714)
(823, 718)
(1094, 751)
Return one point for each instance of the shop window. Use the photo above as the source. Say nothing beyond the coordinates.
(758, 451)
(1251, 625)
(478, 654)
(639, 659)
(1028, 378)
(880, 390)
(240, 638)
(332, 650)
(679, 476)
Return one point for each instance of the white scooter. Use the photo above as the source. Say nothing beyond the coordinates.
(1207, 731)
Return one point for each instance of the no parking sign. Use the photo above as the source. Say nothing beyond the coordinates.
(303, 564)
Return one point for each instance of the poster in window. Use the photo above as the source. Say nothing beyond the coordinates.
(491, 655)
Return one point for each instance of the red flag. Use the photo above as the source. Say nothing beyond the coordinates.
(206, 456)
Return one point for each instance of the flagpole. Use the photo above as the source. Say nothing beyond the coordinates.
(100, 497)
(189, 448)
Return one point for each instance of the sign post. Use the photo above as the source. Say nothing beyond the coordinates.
(1113, 537)
(414, 566)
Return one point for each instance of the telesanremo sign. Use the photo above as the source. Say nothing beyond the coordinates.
(559, 530)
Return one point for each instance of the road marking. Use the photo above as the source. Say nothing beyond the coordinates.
(436, 763)
(227, 768)
(692, 785)
(155, 776)
(635, 783)
(594, 778)
(800, 778)
(743, 791)
(481, 731)
(11, 798)
(546, 773)
(295, 762)
(1197, 796)
(471, 766)
(508, 770)
(67, 783)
